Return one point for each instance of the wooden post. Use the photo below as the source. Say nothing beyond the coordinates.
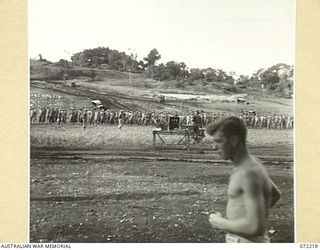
(154, 137)
(188, 141)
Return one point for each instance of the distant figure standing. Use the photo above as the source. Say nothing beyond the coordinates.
(84, 119)
(197, 124)
(251, 192)
(33, 115)
(121, 119)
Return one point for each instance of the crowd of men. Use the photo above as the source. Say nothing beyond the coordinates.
(97, 117)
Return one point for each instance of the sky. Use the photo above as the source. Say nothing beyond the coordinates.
(232, 35)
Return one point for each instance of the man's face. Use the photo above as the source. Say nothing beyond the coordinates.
(223, 145)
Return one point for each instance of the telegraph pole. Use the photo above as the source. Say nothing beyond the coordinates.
(133, 57)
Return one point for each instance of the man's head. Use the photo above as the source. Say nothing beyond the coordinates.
(229, 134)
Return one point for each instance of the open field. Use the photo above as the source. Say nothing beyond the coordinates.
(109, 185)
(134, 137)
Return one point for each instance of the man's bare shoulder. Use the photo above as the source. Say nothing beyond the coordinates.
(252, 170)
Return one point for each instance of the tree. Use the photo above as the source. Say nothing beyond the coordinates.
(159, 72)
(209, 75)
(96, 61)
(141, 65)
(173, 70)
(243, 80)
(184, 73)
(269, 78)
(117, 60)
(221, 75)
(152, 57)
(195, 74)
(151, 60)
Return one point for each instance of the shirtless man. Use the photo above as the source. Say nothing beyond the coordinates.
(251, 192)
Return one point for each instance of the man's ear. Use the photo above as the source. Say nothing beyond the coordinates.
(234, 140)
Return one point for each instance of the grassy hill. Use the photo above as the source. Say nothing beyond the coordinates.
(54, 85)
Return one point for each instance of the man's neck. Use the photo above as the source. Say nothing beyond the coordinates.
(240, 156)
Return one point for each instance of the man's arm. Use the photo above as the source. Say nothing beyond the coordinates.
(253, 222)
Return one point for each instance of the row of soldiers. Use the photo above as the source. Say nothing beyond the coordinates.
(121, 117)
(89, 116)
(48, 115)
(268, 121)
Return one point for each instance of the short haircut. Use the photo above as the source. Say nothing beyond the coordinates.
(229, 126)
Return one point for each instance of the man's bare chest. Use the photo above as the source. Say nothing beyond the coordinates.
(234, 189)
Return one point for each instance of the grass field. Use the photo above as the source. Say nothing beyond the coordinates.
(138, 137)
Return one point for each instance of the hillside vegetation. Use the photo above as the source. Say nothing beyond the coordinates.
(104, 63)
(121, 82)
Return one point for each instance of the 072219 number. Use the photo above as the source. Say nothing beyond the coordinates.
(308, 246)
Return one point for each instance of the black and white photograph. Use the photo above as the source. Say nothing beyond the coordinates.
(161, 121)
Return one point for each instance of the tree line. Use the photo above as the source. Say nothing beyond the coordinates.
(276, 78)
